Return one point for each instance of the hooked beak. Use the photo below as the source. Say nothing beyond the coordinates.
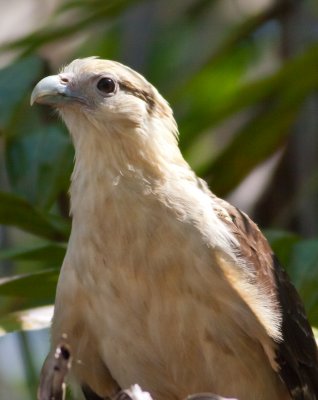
(54, 90)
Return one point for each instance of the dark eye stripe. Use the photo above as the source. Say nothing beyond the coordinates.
(144, 95)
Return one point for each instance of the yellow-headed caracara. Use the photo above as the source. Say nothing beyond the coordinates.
(163, 284)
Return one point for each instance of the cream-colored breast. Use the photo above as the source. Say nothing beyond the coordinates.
(157, 305)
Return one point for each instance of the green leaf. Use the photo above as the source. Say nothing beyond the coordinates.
(105, 46)
(20, 294)
(205, 110)
(36, 285)
(89, 6)
(282, 243)
(18, 212)
(47, 253)
(40, 163)
(90, 16)
(209, 93)
(246, 28)
(36, 318)
(300, 258)
(263, 134)
(15, 82)
(303, 269)
(198, 9)
(234, 42)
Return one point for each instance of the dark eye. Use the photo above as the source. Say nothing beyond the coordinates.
(106, 85)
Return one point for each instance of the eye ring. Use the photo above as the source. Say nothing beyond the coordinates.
(106, 85)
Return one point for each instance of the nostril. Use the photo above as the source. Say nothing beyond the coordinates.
(64, 79)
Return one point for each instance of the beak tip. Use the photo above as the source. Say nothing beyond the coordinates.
(32, 99)
(35, 94)
(47, 89)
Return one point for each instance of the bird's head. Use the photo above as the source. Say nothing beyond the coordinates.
(108, 105)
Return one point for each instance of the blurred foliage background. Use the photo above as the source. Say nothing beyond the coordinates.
(242, 78)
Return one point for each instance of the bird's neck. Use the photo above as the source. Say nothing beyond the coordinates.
(120, 165)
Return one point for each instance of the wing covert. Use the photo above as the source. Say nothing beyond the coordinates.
(296, 353)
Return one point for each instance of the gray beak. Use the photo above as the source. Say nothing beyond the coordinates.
(53, 90)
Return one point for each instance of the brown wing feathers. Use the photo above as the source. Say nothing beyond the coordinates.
(296, 354)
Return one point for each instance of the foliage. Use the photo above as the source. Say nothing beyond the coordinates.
(206, 85)
(38, 153)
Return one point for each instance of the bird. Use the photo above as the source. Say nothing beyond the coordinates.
(163, 284)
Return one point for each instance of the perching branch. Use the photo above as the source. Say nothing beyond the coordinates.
(53, 382)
